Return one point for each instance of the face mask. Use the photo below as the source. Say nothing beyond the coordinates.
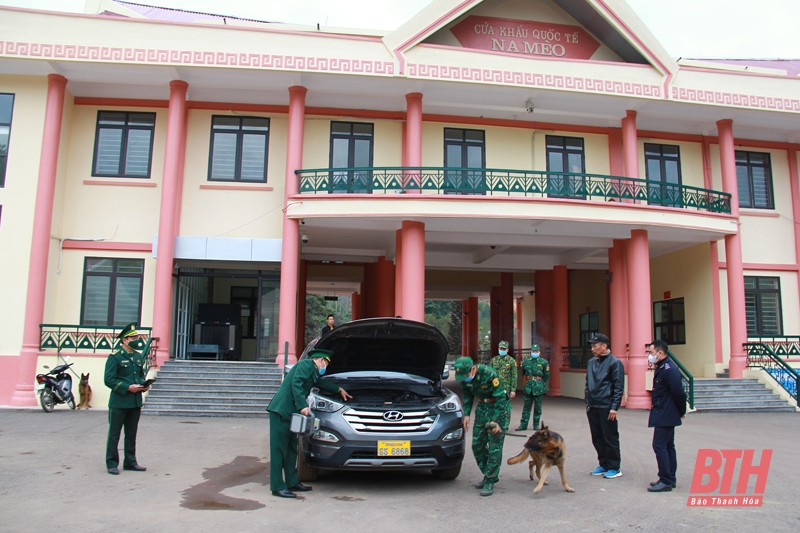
(534, 355)
(502, 352)
(468, 379)
(652, 359)
(322, 370)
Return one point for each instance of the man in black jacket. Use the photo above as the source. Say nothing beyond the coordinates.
(605, 381)
(669, 406)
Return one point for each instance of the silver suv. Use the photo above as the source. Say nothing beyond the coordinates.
(400, 416)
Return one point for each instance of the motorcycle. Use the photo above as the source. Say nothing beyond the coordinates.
(55, 387)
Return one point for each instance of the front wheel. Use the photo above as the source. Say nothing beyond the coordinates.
(71, 403)
(305, 472)
(447, 473)
(47, 401)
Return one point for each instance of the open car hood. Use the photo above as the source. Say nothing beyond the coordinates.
(386, 344)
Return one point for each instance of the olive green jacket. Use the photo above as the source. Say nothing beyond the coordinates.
(506, 367)
(123, 370)
(536, 372)
(293, 392)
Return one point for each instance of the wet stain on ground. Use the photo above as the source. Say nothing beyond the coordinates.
(188, 422)
(348, 498)
(207, 496)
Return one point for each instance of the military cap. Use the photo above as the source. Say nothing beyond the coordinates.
(503, 345)
(463, 366)
(600, 338)
(535, 348)
(320, 354)
(128, 331)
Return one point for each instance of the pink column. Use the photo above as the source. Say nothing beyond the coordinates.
(472, 345)
(733, 253)
(413, 144)
(560, 324)
(464, 327)
(630, 145)
(640, 315)
(398, 269)
(708, 183)
(619, 300)
(495, 321)
(40, 240)
(287, 318)
(302, 289)
(167, 222)
(369, 286)
(794, 180)
(355, 312)
(385, 285)
(413, 270)
(519, 343)
(507, 308)
(543, 280)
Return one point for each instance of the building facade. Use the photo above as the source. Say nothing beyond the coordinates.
(185, 171)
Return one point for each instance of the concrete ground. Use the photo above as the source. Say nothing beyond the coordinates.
(211, 474)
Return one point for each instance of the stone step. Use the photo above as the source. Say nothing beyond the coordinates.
(193, 391)
(183, 374)
(232, 413)
(161, 400)
(749, 409)
(215, 389)
(739, 403)
(202, 382)
(194, 406)
(189, 362)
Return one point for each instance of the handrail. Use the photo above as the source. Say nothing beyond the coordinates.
(760, 355)
(493, 181)
(687, 379)
(781, 345)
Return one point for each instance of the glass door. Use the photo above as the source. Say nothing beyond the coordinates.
(268, 309)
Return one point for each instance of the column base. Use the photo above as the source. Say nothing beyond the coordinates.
(639, 402)
(737, 365)
(24, 393)
(554, 392)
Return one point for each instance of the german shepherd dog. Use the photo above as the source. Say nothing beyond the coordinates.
(85, 391)
(545, 448)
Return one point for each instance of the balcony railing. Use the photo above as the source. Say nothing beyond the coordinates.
(504, 182)
(82, 338)
(767, 353)
(576, 356)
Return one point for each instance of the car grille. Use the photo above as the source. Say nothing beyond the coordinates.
(375, 422)
(373, 455)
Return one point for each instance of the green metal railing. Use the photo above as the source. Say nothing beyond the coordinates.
(687, 379)
(576, 356)
(504, 182)
(760, 354)
(85, 338)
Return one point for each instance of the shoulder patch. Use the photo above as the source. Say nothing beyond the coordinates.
(547, 368)
(496, 382)
(666, 366)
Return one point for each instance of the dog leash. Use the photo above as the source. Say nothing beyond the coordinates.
(492, 425)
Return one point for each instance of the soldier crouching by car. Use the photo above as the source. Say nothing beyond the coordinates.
(491, 418)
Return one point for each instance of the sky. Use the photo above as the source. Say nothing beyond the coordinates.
(733, 29)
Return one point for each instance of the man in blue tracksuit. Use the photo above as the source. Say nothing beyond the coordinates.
(669, 406)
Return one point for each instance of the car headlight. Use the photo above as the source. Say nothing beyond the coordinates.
(324, 436)
(451, 404)
(324, 405)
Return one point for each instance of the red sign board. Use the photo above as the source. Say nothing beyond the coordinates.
(525, 38)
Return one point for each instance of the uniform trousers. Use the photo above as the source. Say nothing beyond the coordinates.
(664, 447)
(487, 447)
(282, 454)
(117, 419)
(605, 437)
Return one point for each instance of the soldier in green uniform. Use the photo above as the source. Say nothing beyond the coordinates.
(124, 375)
(506, 367)
(536, 372)
(491, 418)
(292, 398)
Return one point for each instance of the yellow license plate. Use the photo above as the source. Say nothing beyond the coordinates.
(394, 448)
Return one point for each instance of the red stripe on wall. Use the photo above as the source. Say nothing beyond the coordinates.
(108, 246)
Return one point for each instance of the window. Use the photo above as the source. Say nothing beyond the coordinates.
(238, 149)
(123, 144)
(663, 163)
(669, 321)
(754, 179)
(464, 149)
(565, 154)
(112, 291)
(351, 147)
(762, 304)
(590, 325)
(246, 298)
(6, 108)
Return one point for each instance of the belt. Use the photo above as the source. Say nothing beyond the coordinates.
(535, 378)
(489, 400)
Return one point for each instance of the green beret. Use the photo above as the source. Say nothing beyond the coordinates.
(463, 366)
(535, 348)
(127, 331)
(320, 354)
(503, 345)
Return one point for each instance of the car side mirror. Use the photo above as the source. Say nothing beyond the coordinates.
(446, 372)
